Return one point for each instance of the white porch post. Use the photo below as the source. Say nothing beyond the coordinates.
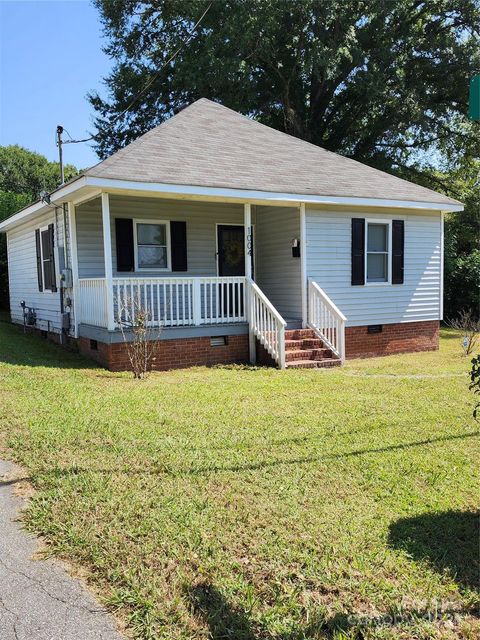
(247, 216)
(107, 251)
(72, 227)
(303, 264)
(247, 221)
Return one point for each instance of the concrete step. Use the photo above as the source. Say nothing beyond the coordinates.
(313, 364)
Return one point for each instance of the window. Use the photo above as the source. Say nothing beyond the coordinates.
(377, 252)
(152, 246)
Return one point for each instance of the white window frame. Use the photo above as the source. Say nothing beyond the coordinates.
(41, 230)
(138, 221)
(388, 223)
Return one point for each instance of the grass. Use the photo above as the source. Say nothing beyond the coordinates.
(254, 503)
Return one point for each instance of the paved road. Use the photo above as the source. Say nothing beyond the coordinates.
(39, 600)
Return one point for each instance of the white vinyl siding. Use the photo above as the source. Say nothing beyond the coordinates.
(277, 273)
(329, 264)
(22, 272)
(201, 219)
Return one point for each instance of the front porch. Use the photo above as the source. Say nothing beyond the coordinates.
(193, 269)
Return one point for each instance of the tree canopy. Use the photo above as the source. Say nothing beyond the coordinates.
(24, 175)
(385, 83)
(382, 82)
(28, 173)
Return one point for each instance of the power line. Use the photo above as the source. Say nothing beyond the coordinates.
(152, 79)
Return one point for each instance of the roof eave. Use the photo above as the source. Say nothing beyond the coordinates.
(86, 187)
(226, 194)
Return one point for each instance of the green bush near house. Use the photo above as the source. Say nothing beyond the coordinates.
(255, 503)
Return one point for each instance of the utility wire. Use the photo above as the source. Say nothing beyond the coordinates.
(152, 79)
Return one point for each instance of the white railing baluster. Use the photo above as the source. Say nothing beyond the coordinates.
(326, 319)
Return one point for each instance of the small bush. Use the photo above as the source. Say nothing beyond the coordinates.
(469, 327)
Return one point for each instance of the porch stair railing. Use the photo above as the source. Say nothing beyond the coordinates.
(326, 319)
(266, 323)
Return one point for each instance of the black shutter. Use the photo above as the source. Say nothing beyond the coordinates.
(39, 260)
(51, 255)
(398, 243)
(358, 251)
(178, 243)
(124, 242)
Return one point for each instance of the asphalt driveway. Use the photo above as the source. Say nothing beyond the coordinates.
(39, 600)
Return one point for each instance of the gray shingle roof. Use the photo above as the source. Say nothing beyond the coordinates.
(209, 145)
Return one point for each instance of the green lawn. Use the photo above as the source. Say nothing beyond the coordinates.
(255, 503)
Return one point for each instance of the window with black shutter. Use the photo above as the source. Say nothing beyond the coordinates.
(178, 242)
(398, 251)
(358, 251)
(152, 245)
(44, 242)
(39, 259)
(124, 244)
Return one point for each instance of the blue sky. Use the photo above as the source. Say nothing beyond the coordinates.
(50, 57)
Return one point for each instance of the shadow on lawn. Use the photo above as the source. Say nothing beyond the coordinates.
(254, 466)
(448, 540)
(333, 456)
(225, 621)
(31, 350)
(11, 481)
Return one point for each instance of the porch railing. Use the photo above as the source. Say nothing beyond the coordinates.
(326, 319)
(266, 323)
(92, 301)
(168, 302)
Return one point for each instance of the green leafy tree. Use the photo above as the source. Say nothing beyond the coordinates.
(382, 82)
(24, 175)
(29, 173)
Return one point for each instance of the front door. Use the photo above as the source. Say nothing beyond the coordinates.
(231, 262)
(231, 250)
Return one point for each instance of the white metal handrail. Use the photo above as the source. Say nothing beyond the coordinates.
(167, 302)
(326, 319)
(266, 323)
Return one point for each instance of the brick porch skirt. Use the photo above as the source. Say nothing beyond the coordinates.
(171, 354)
(188, 352)
(395, 338)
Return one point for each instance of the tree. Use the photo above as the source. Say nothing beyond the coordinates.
(23, 176)
(381, 82)
(29, 173)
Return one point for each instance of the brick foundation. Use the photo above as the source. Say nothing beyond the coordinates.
(171, 354)
(394, 338)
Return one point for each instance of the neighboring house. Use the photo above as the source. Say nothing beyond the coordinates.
(240, 241)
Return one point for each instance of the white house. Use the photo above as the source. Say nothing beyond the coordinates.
(240, 241)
